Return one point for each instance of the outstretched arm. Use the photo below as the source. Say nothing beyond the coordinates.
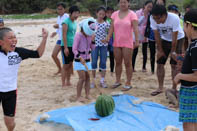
(42, 45)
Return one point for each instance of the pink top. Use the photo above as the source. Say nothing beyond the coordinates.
(82, 46)
(123, 29)
(142, 21)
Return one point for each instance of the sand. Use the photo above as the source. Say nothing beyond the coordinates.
(40, 91)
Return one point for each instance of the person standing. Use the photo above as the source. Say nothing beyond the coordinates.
(142, 15)
(10, 59)
(69, 27)
(169, 37)
(101, 47)
(188, 76)
(61, 17)
(124, 23)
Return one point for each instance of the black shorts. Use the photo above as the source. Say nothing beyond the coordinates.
(166, 46)
(67, 59)
(8, 100)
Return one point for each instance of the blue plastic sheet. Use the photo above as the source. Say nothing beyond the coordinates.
(147, 116)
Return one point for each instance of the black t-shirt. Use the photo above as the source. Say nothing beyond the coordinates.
(190, 63)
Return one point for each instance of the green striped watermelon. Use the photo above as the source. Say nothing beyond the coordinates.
(104, 105)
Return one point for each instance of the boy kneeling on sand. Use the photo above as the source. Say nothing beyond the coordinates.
(10, 59)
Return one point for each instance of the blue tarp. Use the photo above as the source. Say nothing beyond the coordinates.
(147, 116)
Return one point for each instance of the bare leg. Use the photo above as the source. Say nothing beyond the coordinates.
(63, 76)
(127, 54)
(160, 76)
(69, 72)
(80, 84)
(9, 122)
(173, 74)
(189, 126)
(118, 59)
(87, 85)
(56, 50)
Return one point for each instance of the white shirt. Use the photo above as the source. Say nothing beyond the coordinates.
(172, 24)
(9, 65)
(59, 22)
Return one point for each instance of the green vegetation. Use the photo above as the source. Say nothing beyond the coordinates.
(37, 6)
(29, 16)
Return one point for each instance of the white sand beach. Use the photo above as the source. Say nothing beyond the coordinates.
(40, 91)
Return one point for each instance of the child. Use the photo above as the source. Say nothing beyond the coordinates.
(62, 16)
(1, 23)
(10, 59)
(82, 48)
(101, 48)
(188, 76)
(69, 27)
(109, 12)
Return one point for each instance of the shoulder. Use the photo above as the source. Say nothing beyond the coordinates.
(139, 11)
(115, 14)
(131, 12)
(66, 21)
(173, 16)
(65, 15)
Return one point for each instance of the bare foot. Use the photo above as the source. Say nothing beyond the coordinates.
(80, 99)
(88, 97)
(68, 84)
(64, 87)
(57, 73)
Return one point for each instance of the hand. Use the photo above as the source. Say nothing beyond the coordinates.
(104, 41)
(53, 34)
(177, 79)
(82, 61)
(66, 51)
(44, 33)
(56, 26)
(160, 54)
(136, 45)
(174, 56)
(107, 39)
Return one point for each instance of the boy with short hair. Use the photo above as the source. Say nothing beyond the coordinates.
(10, 59)
(169, 37)
(188, 76)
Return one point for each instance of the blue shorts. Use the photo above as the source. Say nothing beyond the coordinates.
(188, 104)
(80, 67)
(58, 42)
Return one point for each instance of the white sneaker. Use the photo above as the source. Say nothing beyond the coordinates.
(103, 85)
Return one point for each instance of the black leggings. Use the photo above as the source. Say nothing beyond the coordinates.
(111, 57)
(144, 53)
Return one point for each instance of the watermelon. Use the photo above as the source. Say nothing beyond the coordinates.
(104, 105)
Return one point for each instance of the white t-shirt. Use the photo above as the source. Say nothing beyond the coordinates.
(172, 24)
(59, 22)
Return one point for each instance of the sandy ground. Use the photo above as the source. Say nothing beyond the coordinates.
(39, 91)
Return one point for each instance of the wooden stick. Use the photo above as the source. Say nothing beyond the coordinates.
(92, 79)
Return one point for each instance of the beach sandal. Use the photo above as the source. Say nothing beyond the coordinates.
(126, 88)
(154, 93)
(116, 85)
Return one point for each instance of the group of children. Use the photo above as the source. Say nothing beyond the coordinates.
(83, 46)
(86, 46)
